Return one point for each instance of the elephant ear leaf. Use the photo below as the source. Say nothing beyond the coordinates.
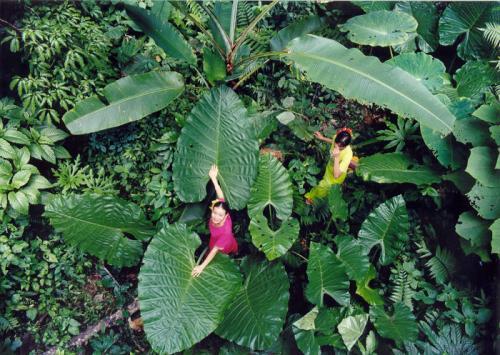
(388, 227)
(399, 326)
(96, 224)
(180, 310)
(257, 313)
(128, 99)
(217, 132)
(272, 188)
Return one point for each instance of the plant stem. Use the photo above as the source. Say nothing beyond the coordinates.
(18, 31)
(390, 52)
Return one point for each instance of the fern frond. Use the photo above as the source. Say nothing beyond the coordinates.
(450, 340)
(492, 34)
(245, 13)
(442, 265)
(402, 291)
(196, 11)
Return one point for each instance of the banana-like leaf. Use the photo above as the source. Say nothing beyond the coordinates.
(388, 227)
(481, 166)
(425, 68)
(495, 237)
(485, 200)
(273, 243)
(257, 313)
(296, 29)
(395, 168)
(427, 17)
(216, 132)
(468, 18)
(363, 289)
(380, 28)
(129, 99)
(351, 328)
(474, 229)
(164, 34)
(96, 224)
(180, 310)
(399, 326)
(272, 188)
(326, 275)
(366, 80)
(447, 150)
(352, 256)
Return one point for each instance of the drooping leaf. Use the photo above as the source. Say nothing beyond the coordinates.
(274, 243)
(468, 129)
(482, 251)
(387, 226)
(164, 34)
(363, 289)
(461, 180)
(326, 275)
(96, 224)
(216, 132)
(474, 77)
(338, 207)
(352, 256)
(423, 67)
(474, 229)
(446, 149)
(495, 134)
(495, 237)
(271, 188)
(464, 20)
(380, 28)
(366, 80)
(481, 166)
(303, 330)
(427, 17)
(395, 168)
(257, 313)
(351, 328)
(213, 66)
(485, 200)
(129, 99)
(296, 29)
(399, 326)
(180, 310)
(488, 113)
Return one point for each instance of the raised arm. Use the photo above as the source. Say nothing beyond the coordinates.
(213, 176)
(199, 269)
(321, 137)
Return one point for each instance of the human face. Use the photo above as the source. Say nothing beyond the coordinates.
(339, 146)
(218, 215)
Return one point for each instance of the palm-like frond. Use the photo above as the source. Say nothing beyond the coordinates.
(491, 33)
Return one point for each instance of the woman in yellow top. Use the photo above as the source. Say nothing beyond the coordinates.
(336, 169)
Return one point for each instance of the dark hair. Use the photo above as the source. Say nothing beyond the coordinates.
(343, 139)
(224, 205)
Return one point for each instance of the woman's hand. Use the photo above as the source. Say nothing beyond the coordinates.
(197, 270)
(214, 170)
(335, 152)
(318, 135)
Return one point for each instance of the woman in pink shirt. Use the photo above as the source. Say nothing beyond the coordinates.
(220, 225)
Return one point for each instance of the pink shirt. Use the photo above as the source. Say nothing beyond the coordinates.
(222, 237)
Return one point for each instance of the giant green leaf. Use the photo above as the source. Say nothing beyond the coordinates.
(465, 20)
(380, 28)
(395, 168)
(386, 226)
(495, 134)
(370, 6)
(495, 237)
(96, 224)
(271, 188)
(296, 29)
(423, 67)
(474, 229)
(213, 66)
(488, 113)
(363, 289)
(216, 132)
(179, 310)
(365, 79)
(164, 34)
(352, 256)
(351, 328)
(399, 326)
(485, 200)
(427, 17)
(474, 78)
(481, 166)
(447, 150)
(326, 275)
(128, 99)
(256, 315)
(274, 243)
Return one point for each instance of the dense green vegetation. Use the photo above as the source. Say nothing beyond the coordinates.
(115, 110)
